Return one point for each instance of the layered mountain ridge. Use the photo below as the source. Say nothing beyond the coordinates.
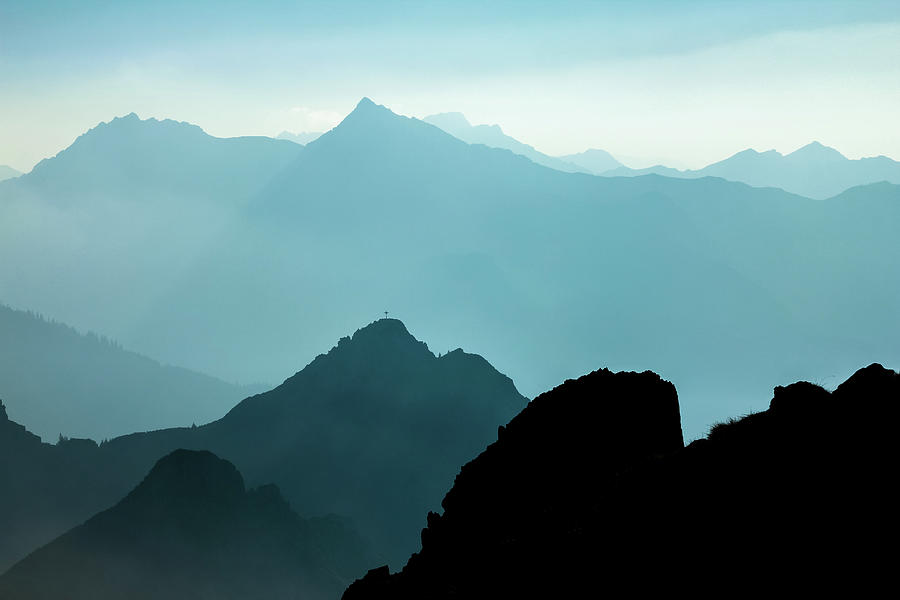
(815, 170)
(190, 529)
(550, 272)
(64, 383)
(374, 430)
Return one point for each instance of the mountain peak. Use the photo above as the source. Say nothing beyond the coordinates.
(453, 123)
(189, 475)
(817, 150)
(388, 335)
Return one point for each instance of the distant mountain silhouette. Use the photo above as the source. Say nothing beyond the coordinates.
(189, 530)
(594, 160)
(374, 430)
(302, 138)
(61, 382)
(492, 136)
(589, 488)
(8, 173)
(158, 158)
(549, 272)
(814, 171)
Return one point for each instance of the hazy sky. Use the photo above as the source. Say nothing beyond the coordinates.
(685, 83)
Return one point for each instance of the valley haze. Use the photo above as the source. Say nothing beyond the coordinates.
(383, 299)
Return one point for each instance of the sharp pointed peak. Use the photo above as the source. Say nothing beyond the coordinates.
(367, 111)
(818, 149)
(367, 103)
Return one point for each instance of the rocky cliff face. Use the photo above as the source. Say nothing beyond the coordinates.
(590, 490)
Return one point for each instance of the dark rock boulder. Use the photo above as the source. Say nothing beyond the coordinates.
(575, 499)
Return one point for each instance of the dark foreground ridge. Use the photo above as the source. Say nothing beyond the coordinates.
(589, 489)
(191, 530)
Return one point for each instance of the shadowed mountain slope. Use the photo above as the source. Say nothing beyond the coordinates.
(46, 488)
(374, 430)
(61, 382)
(814, 171)
(190, 529)
(590, 487)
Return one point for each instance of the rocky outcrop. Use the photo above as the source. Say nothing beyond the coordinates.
(588, 490)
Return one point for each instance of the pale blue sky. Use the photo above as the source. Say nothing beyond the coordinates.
(684, 83)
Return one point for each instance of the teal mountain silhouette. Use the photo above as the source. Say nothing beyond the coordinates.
(151, 158)
(8, 173)
(458, 126)
(191, 529)
(62, 382)
(594, 160)
(814, 171)
(374, 430)
(547, 272)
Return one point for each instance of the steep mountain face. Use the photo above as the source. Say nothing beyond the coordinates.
(190, 529)
(814, 171)
(552, 272)
(594, 160)
(492, 136)
(374, 430)
(61, 382)
(589, 488)
(8, 172)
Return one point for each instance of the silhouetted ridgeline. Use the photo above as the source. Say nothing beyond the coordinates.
(814, 171)
(589, 490)
(45, 489)
(61, 382)
(554, 272)
(8, 172)
(373, 430)
(191, 530)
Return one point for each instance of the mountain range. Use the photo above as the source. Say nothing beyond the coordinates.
(8, 172)
(61, 382)
(374, 430)
(190, 529)
(590, 487)
(814, 171)
(721, 287)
